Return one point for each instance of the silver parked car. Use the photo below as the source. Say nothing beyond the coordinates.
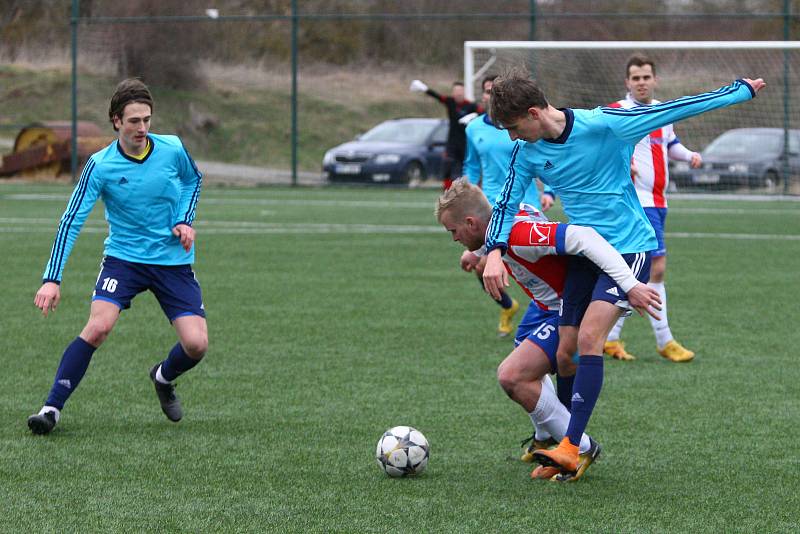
(750, 157)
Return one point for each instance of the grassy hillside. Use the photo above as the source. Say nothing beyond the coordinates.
(252, 112)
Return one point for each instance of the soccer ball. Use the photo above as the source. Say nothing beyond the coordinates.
(402, 450)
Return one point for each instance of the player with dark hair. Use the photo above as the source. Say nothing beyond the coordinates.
(457, 108)
(536, 258)
(650, 174)
(584, 155)
(488, 155)
(150, 187)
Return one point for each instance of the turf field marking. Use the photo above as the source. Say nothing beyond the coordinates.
(377, 204)
(212, 227)
(388, 204)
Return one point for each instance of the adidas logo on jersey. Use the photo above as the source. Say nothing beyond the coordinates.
(613, 291)
(577, 398)
(123, 181)
(548, 165)
(66, 383)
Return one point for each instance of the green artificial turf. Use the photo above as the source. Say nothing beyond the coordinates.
(335, 314)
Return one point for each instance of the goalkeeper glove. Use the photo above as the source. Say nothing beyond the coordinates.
(417, 87)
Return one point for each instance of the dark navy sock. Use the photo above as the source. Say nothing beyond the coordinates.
(177, 363)
(588, 383)
(70, 371)
(505, 301)
(564, 386)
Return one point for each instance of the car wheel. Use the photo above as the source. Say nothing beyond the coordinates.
(413, 174)
(772, 181)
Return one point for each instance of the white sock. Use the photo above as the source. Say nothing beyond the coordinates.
(616, 330)
(540, 434)
(160, 378)
(551, 416)
(56, 412)
(661, 328)
(585, 444)
(547, 382)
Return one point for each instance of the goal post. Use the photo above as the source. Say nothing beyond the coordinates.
(587, 74)
(475, 66)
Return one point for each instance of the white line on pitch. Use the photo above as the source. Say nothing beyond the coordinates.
(245, 227)
(379, 204)
(389, 204)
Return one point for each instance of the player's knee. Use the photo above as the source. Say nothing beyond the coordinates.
(589, 341)
(658, 268)
(507, 377)
(565, 363)
(97, 330)
(196, 346)
(657, 275)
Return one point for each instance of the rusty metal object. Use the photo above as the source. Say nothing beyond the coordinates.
(44, 149)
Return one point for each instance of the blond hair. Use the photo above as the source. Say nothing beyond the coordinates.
(462, 200)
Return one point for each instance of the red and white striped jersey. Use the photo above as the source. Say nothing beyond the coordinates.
(651, 159)
(538, 250)
(532, 257)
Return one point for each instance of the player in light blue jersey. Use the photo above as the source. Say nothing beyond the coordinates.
(584, 155)
(150, 187)
(488, 155)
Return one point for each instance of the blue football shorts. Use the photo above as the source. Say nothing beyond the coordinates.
(540, 327)
(658, 218)
(586, 282)
(174, 286)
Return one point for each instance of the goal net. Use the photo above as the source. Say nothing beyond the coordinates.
(763, 158)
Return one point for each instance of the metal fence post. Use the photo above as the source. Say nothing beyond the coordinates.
(294, 92)
(787, 21)
(73, 22)
(532, 36)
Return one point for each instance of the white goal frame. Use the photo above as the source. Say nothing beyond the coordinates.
(471, 76)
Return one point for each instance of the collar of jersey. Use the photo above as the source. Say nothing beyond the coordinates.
(487, 120)
(630, 97)
(151, 146)
(570, 118)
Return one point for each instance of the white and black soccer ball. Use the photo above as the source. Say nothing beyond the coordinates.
(402, 451)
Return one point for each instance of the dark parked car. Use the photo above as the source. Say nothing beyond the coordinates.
(397, 151)
(751, 157)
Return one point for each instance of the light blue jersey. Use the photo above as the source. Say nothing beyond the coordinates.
(144, 200)
(488, 155)
(588, 166)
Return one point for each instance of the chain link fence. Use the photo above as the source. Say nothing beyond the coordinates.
(260, 90)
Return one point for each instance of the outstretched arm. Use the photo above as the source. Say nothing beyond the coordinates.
(418, 86)
(632, 124)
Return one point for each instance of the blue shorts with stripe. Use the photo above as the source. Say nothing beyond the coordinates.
(658, 218)
(586, 282)
(540, 327)
(174, 286)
